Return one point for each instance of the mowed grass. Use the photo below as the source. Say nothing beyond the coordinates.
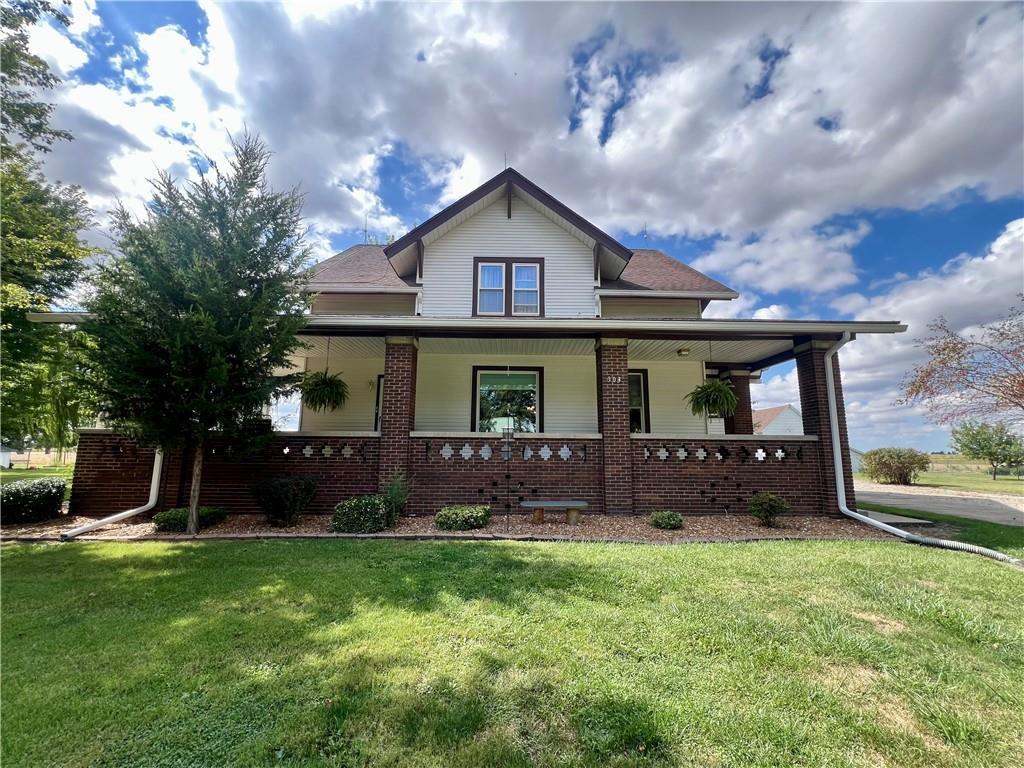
(376, 653)
(960, 473)
(1004, 538)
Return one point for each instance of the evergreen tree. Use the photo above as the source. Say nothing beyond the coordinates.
(200, 309)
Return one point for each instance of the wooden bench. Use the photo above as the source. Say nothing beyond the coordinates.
(572, 509)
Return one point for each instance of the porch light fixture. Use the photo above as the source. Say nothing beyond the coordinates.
(682, 352)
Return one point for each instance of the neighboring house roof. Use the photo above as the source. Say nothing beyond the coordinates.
(359, 268)
(653, 270)
(763, 417)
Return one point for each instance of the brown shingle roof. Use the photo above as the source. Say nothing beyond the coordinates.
(765, 416)
(652, 270)
(361, 266)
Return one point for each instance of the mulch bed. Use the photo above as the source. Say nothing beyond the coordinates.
(591, 528)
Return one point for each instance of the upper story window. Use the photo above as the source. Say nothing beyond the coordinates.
(490, 289)
(508, 287)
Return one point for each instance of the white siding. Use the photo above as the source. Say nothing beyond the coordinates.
(627, 307)
(363, 304)
(668, 382)
(444, 387)
(789, 422)
(360, 373)
(448, 261)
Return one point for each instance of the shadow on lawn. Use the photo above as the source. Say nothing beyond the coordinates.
(331, 647)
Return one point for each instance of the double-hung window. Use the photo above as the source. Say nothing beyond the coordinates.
(508, 287)
(491, 289)
(525, 289)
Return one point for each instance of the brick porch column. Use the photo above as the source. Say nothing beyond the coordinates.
(398, 405)
(741, 422)
(810, 367)
(613, 422)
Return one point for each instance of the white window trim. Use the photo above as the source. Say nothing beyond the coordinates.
(536, 270)
(480, 287)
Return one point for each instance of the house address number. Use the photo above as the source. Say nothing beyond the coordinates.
(613, 379)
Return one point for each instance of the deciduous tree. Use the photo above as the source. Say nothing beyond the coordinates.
(972, 375)
(199, 309)
(993, 443)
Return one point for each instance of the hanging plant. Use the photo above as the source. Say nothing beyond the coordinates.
(713, 398)
(323, 391)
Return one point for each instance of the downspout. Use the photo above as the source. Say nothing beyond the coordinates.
(154, 493)
(837, 458)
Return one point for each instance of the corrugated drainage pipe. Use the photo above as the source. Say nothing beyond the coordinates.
(154, 492)
(837, 457)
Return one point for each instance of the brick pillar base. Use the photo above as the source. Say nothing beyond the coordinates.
(810, 366)
(613, 421)
(741, 422)
(398, 406)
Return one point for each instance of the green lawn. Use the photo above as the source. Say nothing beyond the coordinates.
(1005, 538)
(964, 481)
(370, 653)
(12, 475)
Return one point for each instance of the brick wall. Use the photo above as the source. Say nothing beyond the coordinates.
(441, 474)
(741, 422)
(663, 478)
(810, 365)
(113, 473)
(613, 423)
(398, 406)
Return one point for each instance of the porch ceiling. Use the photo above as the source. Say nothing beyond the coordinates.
(721, 351)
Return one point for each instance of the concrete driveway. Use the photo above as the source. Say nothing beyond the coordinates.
(995, 508)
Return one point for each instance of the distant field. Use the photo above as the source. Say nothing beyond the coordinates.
(960, 473)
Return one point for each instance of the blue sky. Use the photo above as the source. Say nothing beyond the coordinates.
(782, 149)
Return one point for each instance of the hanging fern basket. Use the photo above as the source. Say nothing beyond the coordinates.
(713, 398)
(322, 391)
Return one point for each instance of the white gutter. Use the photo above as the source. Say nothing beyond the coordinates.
(154, 492)
(837, 458)
(655, 294)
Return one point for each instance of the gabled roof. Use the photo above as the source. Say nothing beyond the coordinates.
(362, 268)
(763, 417)
(653, 270)
(511, 181)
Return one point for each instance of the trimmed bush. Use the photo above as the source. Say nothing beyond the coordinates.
(362, 514)
(666, 519)
(462, 518)
(176, 520)
(766, 507)
(30, 501)
(283, 499)
(898, 466)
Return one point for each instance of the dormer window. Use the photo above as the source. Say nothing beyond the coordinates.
(508, 287)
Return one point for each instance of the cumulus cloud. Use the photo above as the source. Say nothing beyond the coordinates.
(968, 290)
(758, 123)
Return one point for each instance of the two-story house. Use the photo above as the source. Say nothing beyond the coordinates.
(507, 349)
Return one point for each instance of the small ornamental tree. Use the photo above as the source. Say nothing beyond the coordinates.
(199, 309)
(993, 443)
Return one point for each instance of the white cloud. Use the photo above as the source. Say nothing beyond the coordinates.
(772, 312)
(55, 49)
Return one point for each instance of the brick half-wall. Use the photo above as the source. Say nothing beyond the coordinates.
(719, 475)
(454, 470)
(113, 473)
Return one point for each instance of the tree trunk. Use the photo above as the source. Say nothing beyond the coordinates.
(993, 473)
(193, 499)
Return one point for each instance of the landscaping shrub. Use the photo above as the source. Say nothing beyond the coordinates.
(397, 494)
(766, 507)
(462, 518)
(362, 514)
(176, 520)
(284, 498)
(30, 501)
(666, 519)
(899, 466)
